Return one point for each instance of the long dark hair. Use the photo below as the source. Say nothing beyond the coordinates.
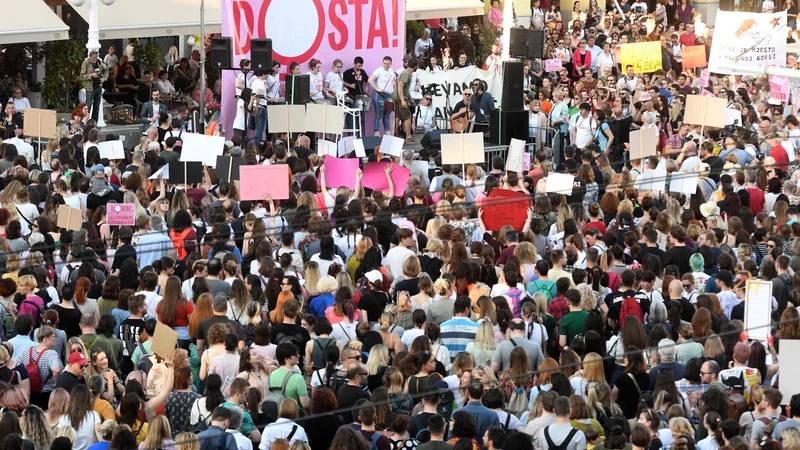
(214, 395)
(80, 402)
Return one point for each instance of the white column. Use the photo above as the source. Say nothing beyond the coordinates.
(508, 23)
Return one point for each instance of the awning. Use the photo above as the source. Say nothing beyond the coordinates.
(35, 22)
(153, 18)
(436, 9)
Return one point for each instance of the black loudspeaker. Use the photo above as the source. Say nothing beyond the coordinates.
(432, 140)
(507, 125)
(298, 89)
(518, 46)
(535, 43)
(370, 142)
(512, 86)
(221, 53)
(261, 54)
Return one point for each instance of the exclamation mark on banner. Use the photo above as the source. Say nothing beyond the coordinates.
(395, 41)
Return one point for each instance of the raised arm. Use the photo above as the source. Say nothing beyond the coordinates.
(388, 172)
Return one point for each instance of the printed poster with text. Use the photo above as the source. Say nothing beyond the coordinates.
(748, 39)
(321, 29)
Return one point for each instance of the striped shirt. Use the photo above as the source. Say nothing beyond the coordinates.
(457, 333)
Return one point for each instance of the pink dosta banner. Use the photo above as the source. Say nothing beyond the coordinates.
(321, 29)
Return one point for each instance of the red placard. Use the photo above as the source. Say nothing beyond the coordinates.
(504, 207)
(121, 214)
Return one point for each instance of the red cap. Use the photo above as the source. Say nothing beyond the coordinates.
(77, 358)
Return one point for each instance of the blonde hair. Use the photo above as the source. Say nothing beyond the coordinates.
(327, 284)
(484, 337)
(593, 369)
(491, 379)
(680, 426)
(478, 290)
(378, 357)
(540, 300)
(386, 320)
(187, 441)
(588, 299)
(441, 286)
(526, 252)
(432, 229)
(403, 301)
(27, 281)
(157, 430)
(67, 432)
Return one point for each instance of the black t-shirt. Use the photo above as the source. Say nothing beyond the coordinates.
(295, 334)
(123, 253)
(9, 376)
(629, 403)
(96, 81)
(68, 381)
(459, 105)
(347, 396)
(578, 191)
(738, 312)
(359, 79)
(645, 251)
(687, 308)
(717, 166)
(420, 422)
(202, 329)
(679, 256)
(614, 302)
(621, 128)
(129, 331)
(374, 303)
(69, 320)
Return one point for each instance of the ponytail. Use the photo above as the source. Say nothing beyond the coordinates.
(385, 320)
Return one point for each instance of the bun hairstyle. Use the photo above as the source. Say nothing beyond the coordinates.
(616, 439)
(313, 63)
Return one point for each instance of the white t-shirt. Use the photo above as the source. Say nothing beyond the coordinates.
(239, 122)
(23, 148)
(395, 259)
(425, 116)
(259, 87)
(84, 434)
(639, 8)
(315, 87)
(584, 129)
(273, 86)
(335, 81)
(384, 79)
(324, 264)
(767, 6)
(604, 61)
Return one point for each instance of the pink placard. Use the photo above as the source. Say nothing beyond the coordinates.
(779, 88)
(255, 182)
(340, 172)
(305, 29)
(552, 65)
(526, 161)
(121, 214)
(704, 76)
(375, 178)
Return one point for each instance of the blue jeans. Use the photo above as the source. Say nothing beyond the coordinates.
(380, 114)
(261, 125)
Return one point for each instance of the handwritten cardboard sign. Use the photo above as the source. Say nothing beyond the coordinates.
(504, 207)
(121, 214)
(340, 172)
(704, 76)
(694, 56)
(69, 218)
(779, 89)
(257, 181)
(374, 176)
(645, 57)
(552, 65)
(40, 123)
(165, 340)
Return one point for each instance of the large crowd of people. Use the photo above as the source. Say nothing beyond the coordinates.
(360, 319)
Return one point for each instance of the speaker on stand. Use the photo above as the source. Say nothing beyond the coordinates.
(261, 54)
(298, 89)
(221, 52)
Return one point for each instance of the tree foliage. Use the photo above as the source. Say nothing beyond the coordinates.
(63, 61)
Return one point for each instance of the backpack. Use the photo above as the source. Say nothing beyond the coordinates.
(564, 444)
(517, 403)
(146, 363)
(33, 372)
(769, 427)
(38, 318)
(373, 440)
(274, 398)
(201, 424)
(631, 307)
(735, 384)
(547, 293)
(9, 329)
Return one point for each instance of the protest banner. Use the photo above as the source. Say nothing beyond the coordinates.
(694, 56)
(374, 176)
(121, 214)
(758, 309)
(305, 29)
(504, 207)
(645, 57)
(552, 65)
(340, 172)
(705, 111)
(202, 148)
(257, 181)
(747, 39)
(446, 87)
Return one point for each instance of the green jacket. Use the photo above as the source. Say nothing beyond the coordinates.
(86, 73)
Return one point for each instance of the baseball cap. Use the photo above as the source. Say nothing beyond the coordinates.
(77, 358)
(374, 276)
(98, 168)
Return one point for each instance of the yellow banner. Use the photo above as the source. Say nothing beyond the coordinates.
(645, 57)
